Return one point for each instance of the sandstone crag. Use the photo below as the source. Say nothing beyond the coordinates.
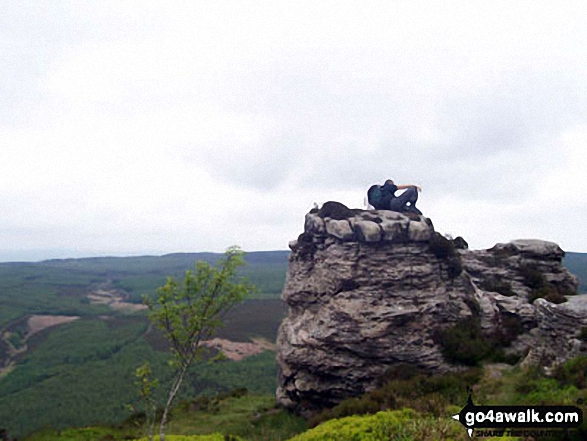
(367, 290)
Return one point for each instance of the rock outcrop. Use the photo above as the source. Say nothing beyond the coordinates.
(367, 290)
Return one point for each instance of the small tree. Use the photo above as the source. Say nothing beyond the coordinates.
(190, 312)
(147, 387)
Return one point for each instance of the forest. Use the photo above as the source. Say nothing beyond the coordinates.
(81, 371)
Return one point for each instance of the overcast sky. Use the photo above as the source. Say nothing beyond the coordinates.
(149, 127)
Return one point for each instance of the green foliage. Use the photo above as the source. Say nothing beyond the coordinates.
(404, 386)
(540, 288)
(62, 383)
(549, 293)
(463, 343)
(16, 340)
(252, 417)
(86, 365)
(497, 285)
(60, 286)
(77, 365)
(146, 386)
(404, 425)
(257, 373)
(355, 406)
(445, 250)
(212, 437)
(441, 247)
(190, 312)
(573, 372)
(82, 434)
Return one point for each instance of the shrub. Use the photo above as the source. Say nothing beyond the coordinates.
(532, 277)
(398, 372)
(441, 247)
(502, 287)
(511, 327)
(406, 386)
(212, 437)
(405, 424)
(348, 407)
(460, 243)
(530, 380)
(549, 293)
(445, 249)
(573, 372)
(463, 342)
(356, 406)
(454, 267)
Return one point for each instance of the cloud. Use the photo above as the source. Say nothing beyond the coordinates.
(129, 125)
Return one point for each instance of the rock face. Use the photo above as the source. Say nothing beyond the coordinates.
(367, 290)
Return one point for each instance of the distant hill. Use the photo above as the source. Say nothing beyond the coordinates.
(61, 286)
(87, 363)
(577, 264)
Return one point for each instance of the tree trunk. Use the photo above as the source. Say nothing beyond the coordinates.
(172, 394)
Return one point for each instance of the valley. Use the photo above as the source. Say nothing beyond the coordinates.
(73, 332)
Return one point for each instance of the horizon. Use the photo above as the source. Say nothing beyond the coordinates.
(73, 255)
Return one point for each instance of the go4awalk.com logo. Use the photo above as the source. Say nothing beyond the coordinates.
(518, 420)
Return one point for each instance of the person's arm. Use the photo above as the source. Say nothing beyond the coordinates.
(403, 187)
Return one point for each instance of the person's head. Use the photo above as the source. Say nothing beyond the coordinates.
(389, 181)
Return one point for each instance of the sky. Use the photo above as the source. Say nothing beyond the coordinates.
(151, 127)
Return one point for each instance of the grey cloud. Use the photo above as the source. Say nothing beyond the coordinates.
(517, 110)
(375, 131)
(463, 105)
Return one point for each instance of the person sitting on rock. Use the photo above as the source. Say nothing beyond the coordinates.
(383, 197)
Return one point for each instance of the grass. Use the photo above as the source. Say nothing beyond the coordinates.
(397, 425)
(252, 417)
(411, 407)
(249, 417)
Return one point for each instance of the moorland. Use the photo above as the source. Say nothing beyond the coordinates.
(73, 331)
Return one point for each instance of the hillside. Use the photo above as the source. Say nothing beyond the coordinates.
(577, 264)
(91, 360)
(72, 332)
